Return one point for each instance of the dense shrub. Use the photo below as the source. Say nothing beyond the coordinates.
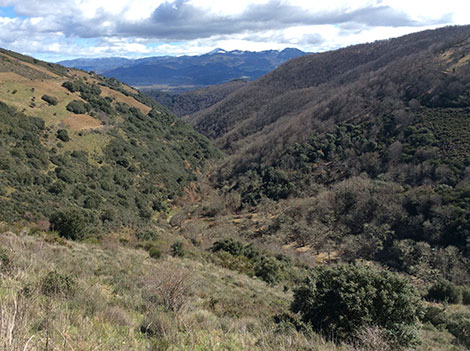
(78, 107)
(177, 249)
(444, 291)
(458, 324)
(57, 284)
(268, 269)
(63, 135)
(51, 100)
(340, 300)
(70, 223)
(466, 295)
(57, 187)
(230, 245)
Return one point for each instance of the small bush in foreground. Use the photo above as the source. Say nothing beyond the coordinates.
(155, 252)
(57, 284)
(340, 300)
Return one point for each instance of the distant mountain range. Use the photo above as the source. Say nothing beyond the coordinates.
(188, 72)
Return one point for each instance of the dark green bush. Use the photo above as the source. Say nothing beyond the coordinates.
(458, 324)
(93, 201)
(466, 295)
(230, 245)
(340, 300)
(78, 107)
(155, 252)
(51, 100)
(268, 269)
(63, 135)
(177, 249)
(70, 223)
(444, 291)
(57, 187)
(55, 284)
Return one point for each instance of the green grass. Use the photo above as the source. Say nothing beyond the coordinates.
(112, 299)
(114, 296)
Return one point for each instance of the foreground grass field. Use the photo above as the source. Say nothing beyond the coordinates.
(63, 295)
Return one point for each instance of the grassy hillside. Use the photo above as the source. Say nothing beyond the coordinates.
(62, 295)
(80, 146)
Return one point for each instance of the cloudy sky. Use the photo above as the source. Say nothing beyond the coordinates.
(60, 29)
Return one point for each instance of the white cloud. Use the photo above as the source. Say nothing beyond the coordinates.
(54, 30)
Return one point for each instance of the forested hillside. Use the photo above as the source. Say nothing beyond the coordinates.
(400, 79)
(83, 151)
(369, 145)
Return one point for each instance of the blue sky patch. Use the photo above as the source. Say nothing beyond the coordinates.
(9, 11)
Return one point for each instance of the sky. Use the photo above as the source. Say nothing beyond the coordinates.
(55, 30)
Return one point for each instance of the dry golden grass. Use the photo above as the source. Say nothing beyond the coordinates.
(82, 122)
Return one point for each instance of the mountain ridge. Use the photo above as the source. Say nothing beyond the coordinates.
(211, 68)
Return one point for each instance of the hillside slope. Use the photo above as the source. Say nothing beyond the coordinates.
(368, 147)
(400, 78)
(84, 146)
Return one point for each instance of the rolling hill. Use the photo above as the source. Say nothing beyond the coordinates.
(182, 73)
(79, 144)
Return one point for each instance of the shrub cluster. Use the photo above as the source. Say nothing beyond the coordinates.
(248, 259)
(78, 107)
(340, 300)
(51, 100)
(445, 291)
(55, 284)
